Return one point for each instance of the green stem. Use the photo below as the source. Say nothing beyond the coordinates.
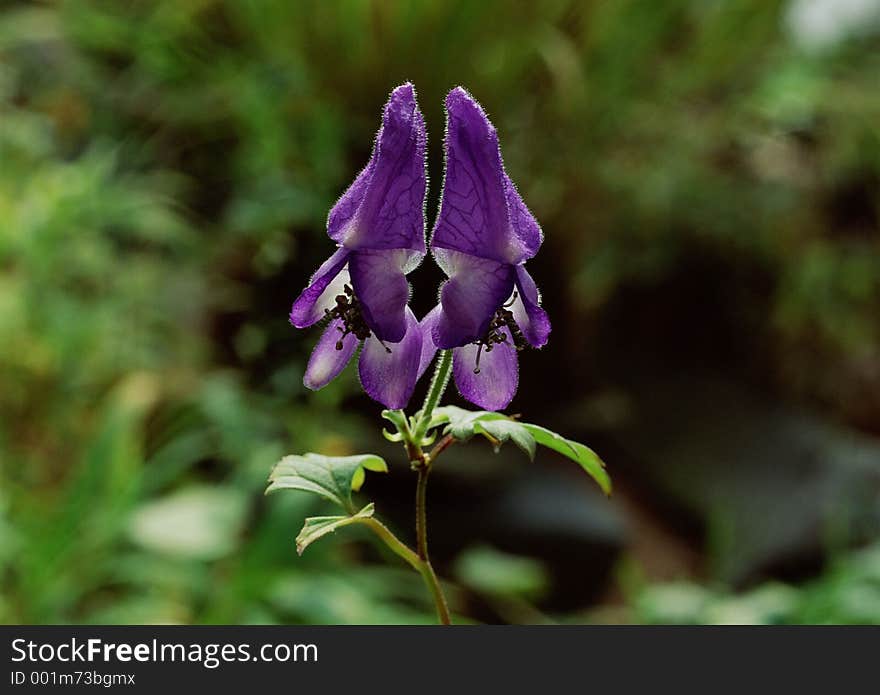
(437, 593)
(396, 545)
(423, 567)
(422, 513)
(428, 573)
(438, 386)
(423, 465)
(413, 440)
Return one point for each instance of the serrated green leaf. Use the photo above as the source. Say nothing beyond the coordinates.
(577, 452)
(316, 527)
(331, 477)
(464, 424)
(504, 430)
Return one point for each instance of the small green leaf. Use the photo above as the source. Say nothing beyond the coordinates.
(459, 422)
(396, 418)
(576, 451)
(503, 430)
(331, 477)
(316, 527)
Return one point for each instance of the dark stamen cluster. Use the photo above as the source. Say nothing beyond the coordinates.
(348, 310)
(495, 335)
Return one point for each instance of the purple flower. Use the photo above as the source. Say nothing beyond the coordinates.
(361, 290)
(490, 306)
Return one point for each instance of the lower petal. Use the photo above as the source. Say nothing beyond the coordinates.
(326, 361)
(390, 377)
(495, 385)
(426, 327)
(381, 288)
(475, 289)
(325, 284)
(527, 312)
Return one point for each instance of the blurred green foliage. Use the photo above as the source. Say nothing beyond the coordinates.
(165, 172)
(847, 593)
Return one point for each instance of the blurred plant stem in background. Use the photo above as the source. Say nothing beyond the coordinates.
(165, 169)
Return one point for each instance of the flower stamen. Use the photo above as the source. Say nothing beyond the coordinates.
(348, 310)
(495, 335)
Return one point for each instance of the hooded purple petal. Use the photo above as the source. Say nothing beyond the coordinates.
(527, 312)
(481, 213)
(494, 387)
(390, 377)
(384, 207)
(325, 284)
(326, 361)
(380, 285)
(346, 207)
(523, 224)
(475, 289)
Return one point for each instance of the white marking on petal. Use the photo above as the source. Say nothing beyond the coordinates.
(327, 298)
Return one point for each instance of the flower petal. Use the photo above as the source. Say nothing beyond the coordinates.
(523, 224)
(429, 349)
(325, 284)
(475, 289)
(527, 312)
(475, 212)
(390, 377)
(382, 290)
(344, 210)
(385, 206)
(326, 361)
(495, 385)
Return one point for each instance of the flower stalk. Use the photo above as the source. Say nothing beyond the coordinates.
(422, 464)
(438, 385)
(411, 433)
(427, 569)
